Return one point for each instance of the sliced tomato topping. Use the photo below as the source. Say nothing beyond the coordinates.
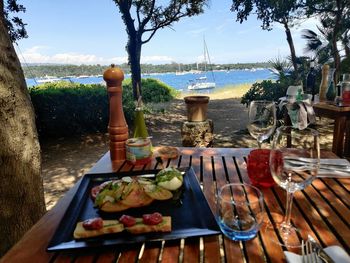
(152, 219)
(93, 223)
(127, 220)
(94, 191)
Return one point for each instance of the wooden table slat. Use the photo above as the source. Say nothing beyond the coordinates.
(269, 238)
(191, 250)
(171, 251)
(129, 255)
(340, 205)
(328, 215)
(211, 246)
(63, 258)
(107, 257)
(151, 252)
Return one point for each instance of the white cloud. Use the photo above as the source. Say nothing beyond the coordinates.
(36, 55)
(156, 59)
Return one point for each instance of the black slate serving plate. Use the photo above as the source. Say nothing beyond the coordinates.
(191, 218)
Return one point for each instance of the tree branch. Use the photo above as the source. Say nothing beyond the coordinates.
(166, 22)
(147, 18)
(124, 7)
(138, 7)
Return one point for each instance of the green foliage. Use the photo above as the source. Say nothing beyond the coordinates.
(265, 90)
(15, 25)
(65, 109)
(269, 90)
(280, 11)
(155, 90)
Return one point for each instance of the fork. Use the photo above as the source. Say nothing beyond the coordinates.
(308, 256)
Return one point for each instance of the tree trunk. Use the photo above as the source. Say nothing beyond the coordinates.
(134, 51)
(291, 46)
(336, 56)
(347, 51)
(21, 185)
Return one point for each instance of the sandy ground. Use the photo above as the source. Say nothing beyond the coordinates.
(65, 160)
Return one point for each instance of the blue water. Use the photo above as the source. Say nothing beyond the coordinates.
(180, 82)
(233, 231)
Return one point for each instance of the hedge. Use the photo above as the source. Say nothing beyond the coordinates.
(65, 109)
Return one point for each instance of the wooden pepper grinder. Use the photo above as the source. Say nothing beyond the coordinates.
(324, 82)
(117, 127)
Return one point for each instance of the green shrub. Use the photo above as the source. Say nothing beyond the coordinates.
(265, 90)
(153, 90)
(65, 108)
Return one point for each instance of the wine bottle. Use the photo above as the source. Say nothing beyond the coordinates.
(330, 95)
(311, 81)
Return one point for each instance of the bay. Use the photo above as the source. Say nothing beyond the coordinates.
(180, 82)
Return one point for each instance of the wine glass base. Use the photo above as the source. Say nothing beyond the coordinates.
(283, 235)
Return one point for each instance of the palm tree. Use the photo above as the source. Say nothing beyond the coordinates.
(280, 67)
(320, 45)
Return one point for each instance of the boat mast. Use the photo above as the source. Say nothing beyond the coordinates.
(206, 56)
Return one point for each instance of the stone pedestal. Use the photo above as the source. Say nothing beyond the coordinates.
(197, 134)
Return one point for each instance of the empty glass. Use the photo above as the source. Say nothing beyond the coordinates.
(262, 119)
(294, 162)
(240, 211)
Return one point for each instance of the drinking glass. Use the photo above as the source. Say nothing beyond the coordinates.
(294, 163)
(345, 89)
(262, 119)
(240, 211)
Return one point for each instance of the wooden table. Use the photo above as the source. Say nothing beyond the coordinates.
(341, 116)
(322, 210)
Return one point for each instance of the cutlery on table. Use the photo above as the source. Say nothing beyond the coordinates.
(308, 256)
(338, 167)
(319, 251)
(338, 163)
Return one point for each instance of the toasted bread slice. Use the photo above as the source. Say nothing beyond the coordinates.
(135, 196)
(141, 228)
(167, 152)
(113, 207)
(109, 227)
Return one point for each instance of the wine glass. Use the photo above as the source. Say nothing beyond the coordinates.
(294, 163)
(262, 119)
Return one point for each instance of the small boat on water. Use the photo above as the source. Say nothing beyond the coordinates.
(48, 79)
(201, 83)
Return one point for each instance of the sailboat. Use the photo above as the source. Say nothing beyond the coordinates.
(202, 82)
(180, 72)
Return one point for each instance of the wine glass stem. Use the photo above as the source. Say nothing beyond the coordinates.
(259, 144)
(286, 221)
(260, 141)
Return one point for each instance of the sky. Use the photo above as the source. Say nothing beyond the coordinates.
(92, 32)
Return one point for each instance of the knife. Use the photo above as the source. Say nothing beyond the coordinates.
(320, 251)
(331, 167)
(344, 163)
